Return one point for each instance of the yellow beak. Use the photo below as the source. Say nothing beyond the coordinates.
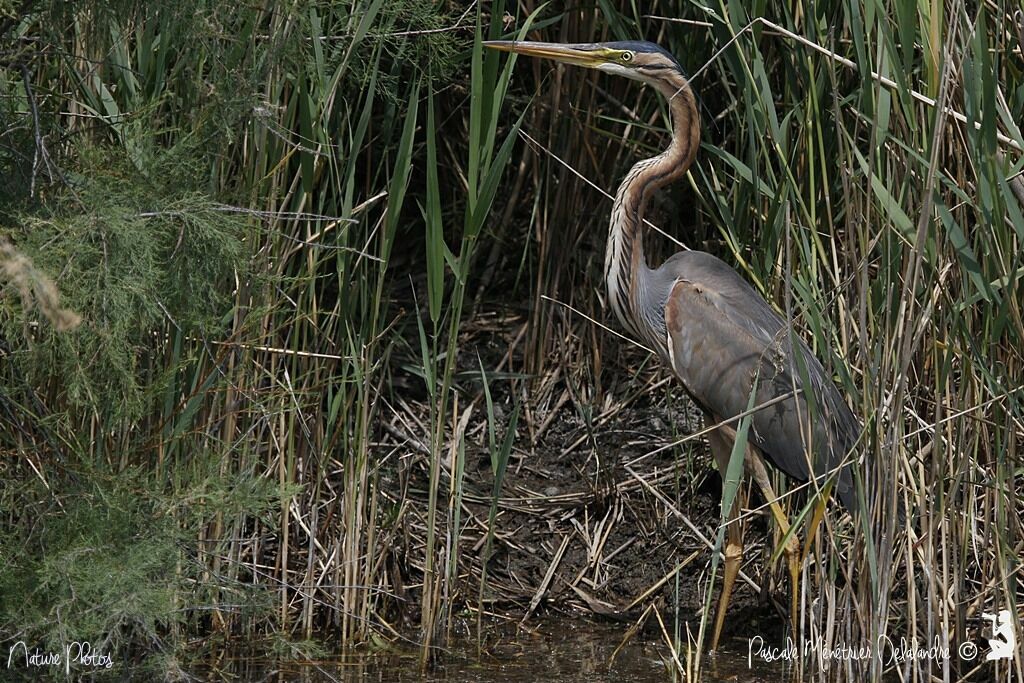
(579, 55)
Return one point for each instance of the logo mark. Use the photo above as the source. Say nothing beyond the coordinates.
(1003, 641)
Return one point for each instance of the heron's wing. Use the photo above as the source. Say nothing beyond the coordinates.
(721, 336)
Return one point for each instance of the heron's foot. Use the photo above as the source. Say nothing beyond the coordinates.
(733, 559)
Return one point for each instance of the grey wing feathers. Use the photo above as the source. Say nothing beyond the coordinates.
(721, 336)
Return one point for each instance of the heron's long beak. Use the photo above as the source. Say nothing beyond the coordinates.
(590, 56)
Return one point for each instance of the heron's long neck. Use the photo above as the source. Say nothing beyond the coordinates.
(626, 270)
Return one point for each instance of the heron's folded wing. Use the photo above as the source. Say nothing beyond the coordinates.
(722, 336)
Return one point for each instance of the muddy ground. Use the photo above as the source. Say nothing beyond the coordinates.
(591, 514)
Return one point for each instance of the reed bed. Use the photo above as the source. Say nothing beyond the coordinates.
(302, 335)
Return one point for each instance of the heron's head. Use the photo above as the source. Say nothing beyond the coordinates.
(641, 61)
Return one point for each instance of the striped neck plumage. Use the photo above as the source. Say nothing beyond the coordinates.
(626, 271)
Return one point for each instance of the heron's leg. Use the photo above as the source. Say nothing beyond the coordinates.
(792, 549)
(721, 448)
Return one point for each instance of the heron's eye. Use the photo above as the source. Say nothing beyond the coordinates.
(626, 56)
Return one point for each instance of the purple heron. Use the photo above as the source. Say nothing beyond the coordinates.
(720, 337)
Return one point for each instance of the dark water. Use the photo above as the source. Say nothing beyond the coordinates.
(558, 650)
